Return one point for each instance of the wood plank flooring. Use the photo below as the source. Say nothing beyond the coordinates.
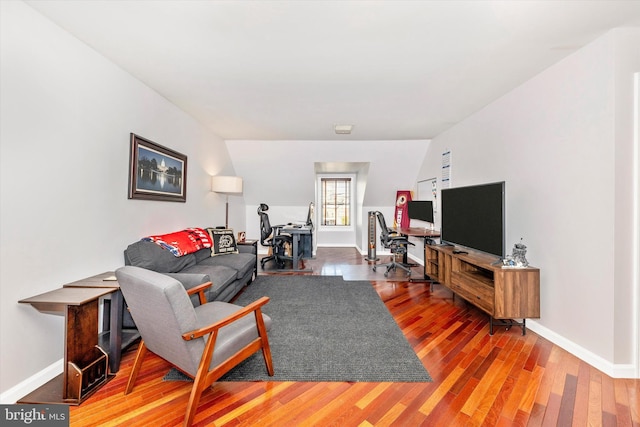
(479, 380)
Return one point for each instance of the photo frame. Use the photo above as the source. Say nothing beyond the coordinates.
(156, 172)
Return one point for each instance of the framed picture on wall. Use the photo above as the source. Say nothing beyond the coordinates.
(156, 172)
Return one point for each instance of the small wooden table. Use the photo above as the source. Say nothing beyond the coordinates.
(85, 363)
(113, 338)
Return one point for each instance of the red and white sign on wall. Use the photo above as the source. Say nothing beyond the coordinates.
(401, 217)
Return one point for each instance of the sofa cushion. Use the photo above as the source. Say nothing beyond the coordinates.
(148, 255)
(221, 276)
(203, 254)
(223, 240)
(240, 262)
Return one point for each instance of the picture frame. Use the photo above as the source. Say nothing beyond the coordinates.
(156, 172)
(242, 236)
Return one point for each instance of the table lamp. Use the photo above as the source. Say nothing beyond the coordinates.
(226, 185)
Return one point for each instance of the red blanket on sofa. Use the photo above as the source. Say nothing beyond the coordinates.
(183, 242)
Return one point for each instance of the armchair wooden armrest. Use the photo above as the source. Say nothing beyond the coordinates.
(200, 291)
(253, 307)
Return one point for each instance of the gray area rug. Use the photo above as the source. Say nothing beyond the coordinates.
(326, 329)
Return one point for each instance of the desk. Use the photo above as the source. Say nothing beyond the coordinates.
(427, 235)
(302, 237)
(113, 337)
(85, 363)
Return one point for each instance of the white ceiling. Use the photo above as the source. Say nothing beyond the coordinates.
(291, 70)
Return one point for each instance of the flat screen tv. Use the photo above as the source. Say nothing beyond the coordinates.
(421, 210)
(474, 217)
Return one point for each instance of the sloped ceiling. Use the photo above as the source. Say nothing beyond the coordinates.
(291, 70)
(261, 73)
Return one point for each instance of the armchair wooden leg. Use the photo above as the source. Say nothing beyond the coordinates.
(266, 353)
(142, 351)
(266, 349)
(199, 385)
(204, 378)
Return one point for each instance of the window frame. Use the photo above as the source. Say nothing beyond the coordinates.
(320, 203)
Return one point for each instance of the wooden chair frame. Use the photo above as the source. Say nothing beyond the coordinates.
(205, 377)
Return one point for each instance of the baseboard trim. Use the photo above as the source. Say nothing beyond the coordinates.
(25, 387)
(416, 259)
(611, 369)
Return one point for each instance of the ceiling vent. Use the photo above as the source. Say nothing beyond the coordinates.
(343, 129)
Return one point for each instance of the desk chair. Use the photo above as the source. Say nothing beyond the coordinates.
(394, 242)
(271, 237)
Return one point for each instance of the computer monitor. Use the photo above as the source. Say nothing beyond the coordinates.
(310, 214)
(421, 210)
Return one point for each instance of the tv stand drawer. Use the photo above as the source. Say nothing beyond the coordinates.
(476, 293)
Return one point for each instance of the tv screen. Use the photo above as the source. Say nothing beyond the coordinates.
(474, 217)
(421, 210)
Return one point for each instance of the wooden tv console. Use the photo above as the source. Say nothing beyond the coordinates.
(504, 293)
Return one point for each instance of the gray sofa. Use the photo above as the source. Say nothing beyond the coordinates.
(229, 273)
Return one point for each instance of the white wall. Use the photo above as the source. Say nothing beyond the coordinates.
(66, 115)
(562, 142)
(283, 175)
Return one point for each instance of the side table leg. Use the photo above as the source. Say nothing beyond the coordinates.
(115, 334)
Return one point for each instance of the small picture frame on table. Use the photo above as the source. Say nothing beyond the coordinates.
(242, 236)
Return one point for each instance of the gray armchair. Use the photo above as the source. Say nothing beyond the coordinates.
(204, 342)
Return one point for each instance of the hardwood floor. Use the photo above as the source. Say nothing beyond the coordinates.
(502, 380)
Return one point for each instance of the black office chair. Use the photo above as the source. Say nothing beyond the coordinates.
(271, 237)
(396, 243)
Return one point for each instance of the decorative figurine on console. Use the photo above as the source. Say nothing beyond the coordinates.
(519, 255)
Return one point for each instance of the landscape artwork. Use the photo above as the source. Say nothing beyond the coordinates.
(156, 172)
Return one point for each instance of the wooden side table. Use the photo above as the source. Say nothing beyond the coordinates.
(113, 338)
(85, 363)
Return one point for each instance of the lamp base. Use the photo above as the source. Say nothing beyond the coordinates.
(226, 214)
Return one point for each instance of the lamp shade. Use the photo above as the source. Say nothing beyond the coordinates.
(226, 184)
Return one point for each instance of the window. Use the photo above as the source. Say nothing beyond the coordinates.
(336, 201)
